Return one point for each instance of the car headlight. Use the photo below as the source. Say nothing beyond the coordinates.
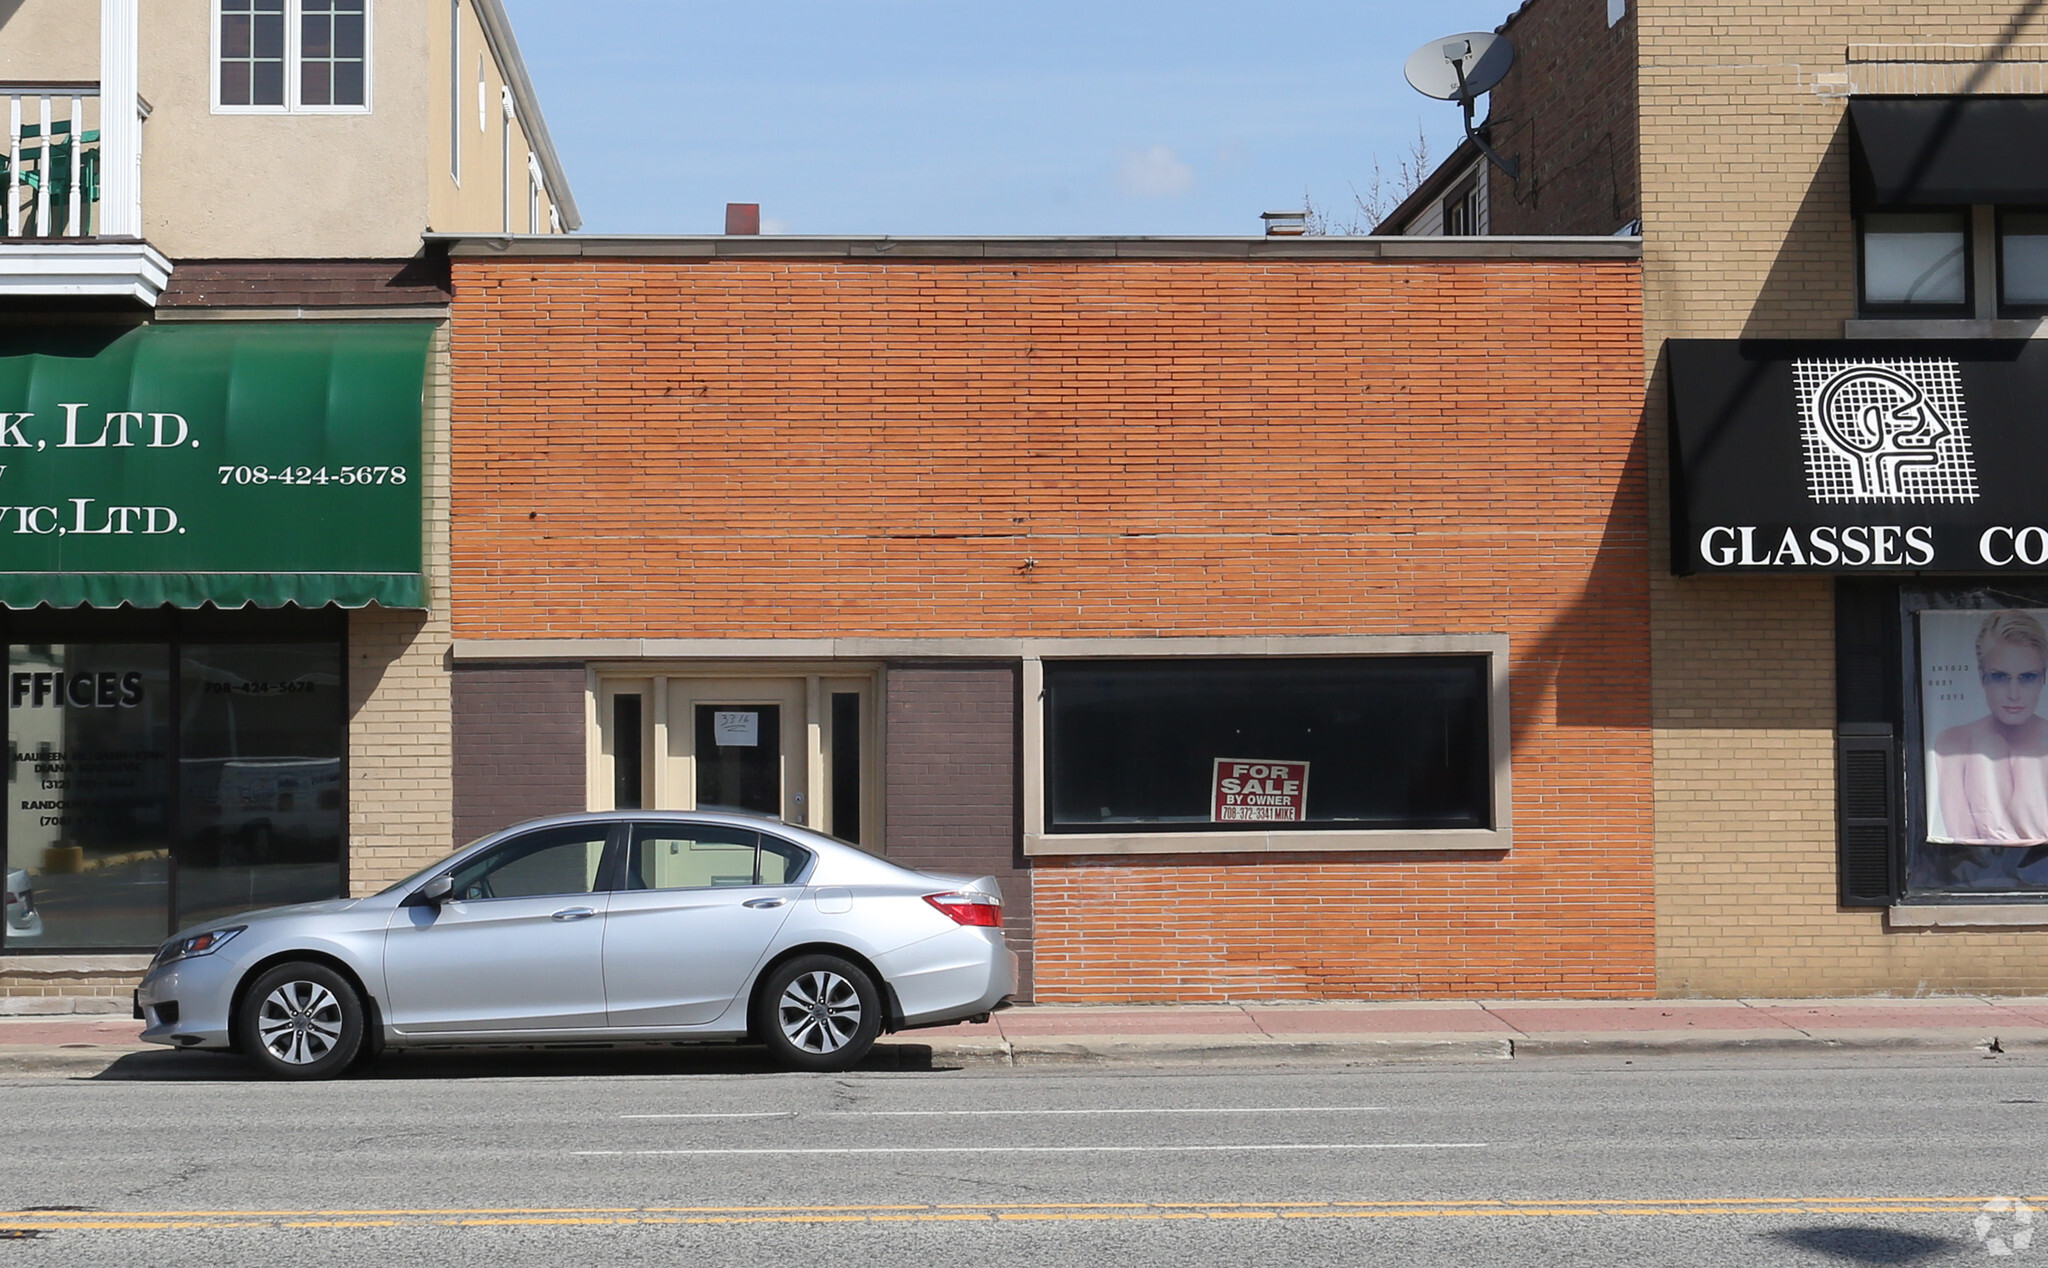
(198, 944)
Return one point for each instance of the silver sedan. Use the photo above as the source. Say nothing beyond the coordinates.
(629, 926)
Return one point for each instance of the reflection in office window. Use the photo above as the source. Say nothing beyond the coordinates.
(260, 784)
(89, 781)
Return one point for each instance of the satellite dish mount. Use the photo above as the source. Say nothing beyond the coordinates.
(1462, 68)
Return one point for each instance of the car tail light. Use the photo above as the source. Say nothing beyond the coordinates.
(970, 907)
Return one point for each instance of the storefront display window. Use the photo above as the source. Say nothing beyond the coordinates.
(1983, 820)
(167, 768)
(1310, 743)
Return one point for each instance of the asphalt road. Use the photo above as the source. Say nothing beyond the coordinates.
(650, 1158)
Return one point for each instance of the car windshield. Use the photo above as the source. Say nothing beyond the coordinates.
(424, 872)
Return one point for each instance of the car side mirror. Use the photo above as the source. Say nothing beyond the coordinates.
(436, 891)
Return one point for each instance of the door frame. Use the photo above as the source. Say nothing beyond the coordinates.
(667, 778)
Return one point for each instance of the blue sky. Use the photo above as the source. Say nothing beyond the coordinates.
(1046, 117)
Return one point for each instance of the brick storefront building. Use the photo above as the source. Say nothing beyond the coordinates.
(989, 553)
(1839, 204)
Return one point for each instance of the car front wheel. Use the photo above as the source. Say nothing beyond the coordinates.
(819, 1012)
(301, 1021)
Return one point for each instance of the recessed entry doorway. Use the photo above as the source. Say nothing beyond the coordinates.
(803, 747)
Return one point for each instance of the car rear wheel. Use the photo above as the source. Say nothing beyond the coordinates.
(818, 1012)
(301, 1021)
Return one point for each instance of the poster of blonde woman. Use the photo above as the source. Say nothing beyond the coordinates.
(1987, 746)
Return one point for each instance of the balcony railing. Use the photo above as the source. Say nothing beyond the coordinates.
(54, 162)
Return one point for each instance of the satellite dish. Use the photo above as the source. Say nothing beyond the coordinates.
(1462, 68)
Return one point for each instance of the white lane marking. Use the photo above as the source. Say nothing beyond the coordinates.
(1281, 1109)
(760, 1114)
(1030, 1149)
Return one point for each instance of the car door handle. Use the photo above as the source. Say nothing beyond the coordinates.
(764, 902)
(575, 913)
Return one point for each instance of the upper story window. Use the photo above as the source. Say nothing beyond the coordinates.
(2022, 262)
(1916, 262)
(1461, 210)
(292, 55)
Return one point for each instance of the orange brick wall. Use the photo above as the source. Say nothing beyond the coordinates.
(771, 448)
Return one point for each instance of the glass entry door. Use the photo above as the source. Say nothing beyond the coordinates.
(797, 747)
(738, 744)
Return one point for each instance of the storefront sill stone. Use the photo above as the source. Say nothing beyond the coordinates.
(1264, 842)
(64, 1006)
(1969, 916)
(70, 965)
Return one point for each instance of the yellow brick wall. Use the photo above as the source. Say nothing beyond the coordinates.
(400, 772)
(1747, 233)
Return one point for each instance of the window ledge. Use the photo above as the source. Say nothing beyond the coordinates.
(1968, 916)
(1071, 843)
(1945, 328)
(32, 965)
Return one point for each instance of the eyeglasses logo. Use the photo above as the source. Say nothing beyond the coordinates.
(1884, 431)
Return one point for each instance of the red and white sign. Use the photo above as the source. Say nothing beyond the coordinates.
(1259, 792)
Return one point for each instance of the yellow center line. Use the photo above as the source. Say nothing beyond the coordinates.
(1498, 1208)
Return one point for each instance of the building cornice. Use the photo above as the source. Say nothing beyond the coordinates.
(781, 247)
(505, 47)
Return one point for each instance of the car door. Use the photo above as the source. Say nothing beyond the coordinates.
(693, 915)
(518, 945)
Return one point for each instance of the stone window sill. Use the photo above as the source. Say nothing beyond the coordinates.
(1968, 916)
(1074, 843)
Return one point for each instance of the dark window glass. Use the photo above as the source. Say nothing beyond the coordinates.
(316, 83)
(537, 865)
(260, 777)
(1916, 259)
(1385, 743)
(845, 766)
(89, 830)
(2023, 259)
(739, 757)
(269, 87)
(348, 83)
(626, 752)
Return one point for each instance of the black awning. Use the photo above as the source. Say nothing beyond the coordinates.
(1950, 151)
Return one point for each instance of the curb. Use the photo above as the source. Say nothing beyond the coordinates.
(1109, 1051)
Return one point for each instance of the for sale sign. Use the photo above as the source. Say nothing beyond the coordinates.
(1259, 792)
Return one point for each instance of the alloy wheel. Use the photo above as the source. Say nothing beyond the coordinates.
(819, 1011)
(300, 1022)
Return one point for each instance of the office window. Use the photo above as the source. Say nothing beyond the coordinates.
(292, 55)
(1916, 261)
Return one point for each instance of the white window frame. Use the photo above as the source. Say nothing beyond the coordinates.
(454, 91)
(292, 42)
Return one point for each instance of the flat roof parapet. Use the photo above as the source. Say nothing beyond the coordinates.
(794, 246)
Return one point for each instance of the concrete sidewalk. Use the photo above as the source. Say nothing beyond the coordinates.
(1349, 1033)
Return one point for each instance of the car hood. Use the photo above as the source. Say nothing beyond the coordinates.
(327, 907)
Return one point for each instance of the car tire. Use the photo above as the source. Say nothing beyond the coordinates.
(301, 1021)
(818, 1012)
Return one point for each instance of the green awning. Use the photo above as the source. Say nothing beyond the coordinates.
(231, 463)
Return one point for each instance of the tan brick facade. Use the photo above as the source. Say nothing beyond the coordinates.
(1747, 233)
(401, 783)
(915, 448)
